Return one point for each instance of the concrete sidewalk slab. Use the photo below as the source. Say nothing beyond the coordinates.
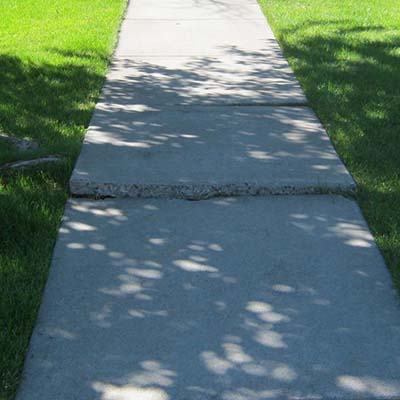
(204, 152)
(188, 60)
(193, 37)
(230, 299)
(238, 78)
(195, 9)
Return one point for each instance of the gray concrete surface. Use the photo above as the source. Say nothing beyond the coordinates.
(245, 78)
(184, 37)
(205, 152)
(195, 9)
(229, 299)
(200, 51)
(245, 298)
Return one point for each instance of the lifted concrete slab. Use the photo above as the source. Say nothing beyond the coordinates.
(231, 299)
(239, 78)
(193, 37)
(195, 9)
(204, 152)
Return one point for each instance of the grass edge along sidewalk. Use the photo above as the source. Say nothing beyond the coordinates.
(53, 59)
(346, 56)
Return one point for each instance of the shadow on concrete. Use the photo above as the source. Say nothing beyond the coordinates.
(351, 76)
(162, 300)
(233, 77)
(154, 126)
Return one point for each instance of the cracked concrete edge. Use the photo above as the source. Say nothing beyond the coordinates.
(83, 188)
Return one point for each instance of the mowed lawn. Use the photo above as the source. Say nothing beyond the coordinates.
(53, 58)
(346, 55)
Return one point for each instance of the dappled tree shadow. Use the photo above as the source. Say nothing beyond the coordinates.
(142, 122)
(352, 82)
(364, 89)
(51, 103)
(185, 288)
(175, 300)
(241, 77)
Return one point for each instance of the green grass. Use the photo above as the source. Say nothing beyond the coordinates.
(346, 55)
(53, 58)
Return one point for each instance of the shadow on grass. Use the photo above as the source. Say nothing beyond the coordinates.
(351, 76)
(51, 103)
(352, 86)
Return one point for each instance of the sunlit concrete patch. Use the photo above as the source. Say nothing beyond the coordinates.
(206, 152)
(231, 299)
(111, 392)
(195, 9)
(369, 386)
(192, 37)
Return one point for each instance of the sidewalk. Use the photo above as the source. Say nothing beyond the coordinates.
(151, 134)
(232, 297)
